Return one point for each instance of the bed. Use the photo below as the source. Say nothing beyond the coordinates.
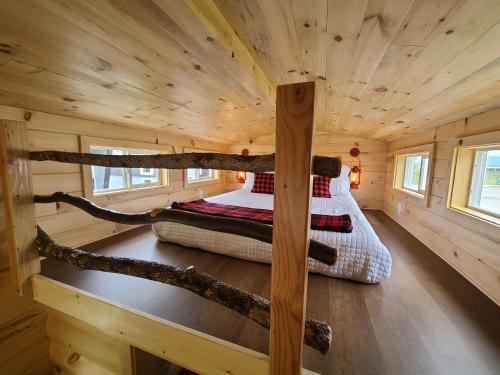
(363, 257)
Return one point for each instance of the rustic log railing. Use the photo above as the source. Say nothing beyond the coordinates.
(258, 231)
(288, 326)
(321, 165)
(317, 334)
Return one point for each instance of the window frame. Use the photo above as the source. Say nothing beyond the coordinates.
(142, 189)
(462, 156)
(208, 181)
(419, 191)
(419, 196)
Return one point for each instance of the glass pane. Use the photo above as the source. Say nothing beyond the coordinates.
(423, 174)
(107, 178)
(485, 184)
(192, 174)
(205, 173)
(197, 174)
(413, 166)
(144, 176)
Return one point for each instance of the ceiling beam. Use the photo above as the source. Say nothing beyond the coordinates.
(213, 19)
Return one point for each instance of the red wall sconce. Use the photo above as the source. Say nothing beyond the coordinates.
(241, 176)
(355, 174)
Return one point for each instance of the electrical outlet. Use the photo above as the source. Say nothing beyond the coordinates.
(200, 194)
(399, 208)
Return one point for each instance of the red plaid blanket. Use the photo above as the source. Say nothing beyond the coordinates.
(330, 223)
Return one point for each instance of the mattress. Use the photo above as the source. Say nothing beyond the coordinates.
(362, 257)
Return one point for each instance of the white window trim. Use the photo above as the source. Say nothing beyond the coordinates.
(417, 197)
(462, 211)
(208, 181)
(87, 142)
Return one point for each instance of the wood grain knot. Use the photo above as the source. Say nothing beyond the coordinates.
(73, 358)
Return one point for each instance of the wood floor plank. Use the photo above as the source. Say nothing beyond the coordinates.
(426, 318)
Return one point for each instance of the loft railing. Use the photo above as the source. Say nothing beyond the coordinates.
(294, 165)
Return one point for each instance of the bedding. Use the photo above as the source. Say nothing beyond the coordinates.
(362, 256)
(331, 223)
(263, 183)
(321, 187)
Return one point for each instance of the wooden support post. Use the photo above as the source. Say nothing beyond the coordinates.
(292, 186)
(20, 222)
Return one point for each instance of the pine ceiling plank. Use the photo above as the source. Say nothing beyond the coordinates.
(214, 56)
(214, 20)
(452, 37)
(478, 55)
(268, 26)
(395, 62)
(380, 25)
(423, 18)
(279, 18)
(109, 22)
(345, 19)
(158, 84)
(311, 23)
(468, 95)
(474, 58)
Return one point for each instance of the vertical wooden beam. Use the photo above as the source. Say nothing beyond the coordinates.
(292, 186)
(20, 222)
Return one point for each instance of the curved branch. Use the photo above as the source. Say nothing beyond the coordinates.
(240, 227)
(322, 165)
(318, 335)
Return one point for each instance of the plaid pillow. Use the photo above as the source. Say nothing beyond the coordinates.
(263, 183)
(321, 187)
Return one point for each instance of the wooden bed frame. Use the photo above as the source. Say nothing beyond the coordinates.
(180, 345)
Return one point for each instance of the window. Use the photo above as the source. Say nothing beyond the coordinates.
(475, 177)
(100, 181)
(197, 174)
(412, 172)
(107, 179)
(415, 172)
(485, 184)
(200, 175)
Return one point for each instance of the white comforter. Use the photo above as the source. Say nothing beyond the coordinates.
(362, 256)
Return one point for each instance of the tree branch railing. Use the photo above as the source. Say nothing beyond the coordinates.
(241, 227)
(318, 335)
(322, 165)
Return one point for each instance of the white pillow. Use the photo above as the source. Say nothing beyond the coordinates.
(341, 185)
(249, 182)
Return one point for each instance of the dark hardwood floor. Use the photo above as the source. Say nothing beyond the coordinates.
(425, 319)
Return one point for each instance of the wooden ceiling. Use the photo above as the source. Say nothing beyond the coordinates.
(383, 68)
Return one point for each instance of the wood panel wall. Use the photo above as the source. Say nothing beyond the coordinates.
(70, 226)
(373, 158)
(77, 348)
(24, 345)
(468, 245)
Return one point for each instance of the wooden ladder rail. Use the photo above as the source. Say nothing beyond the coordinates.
(292, 187)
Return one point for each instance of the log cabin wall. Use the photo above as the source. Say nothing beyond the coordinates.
(373, 159)
(471, 250)
(24, 345)
(71, 226)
